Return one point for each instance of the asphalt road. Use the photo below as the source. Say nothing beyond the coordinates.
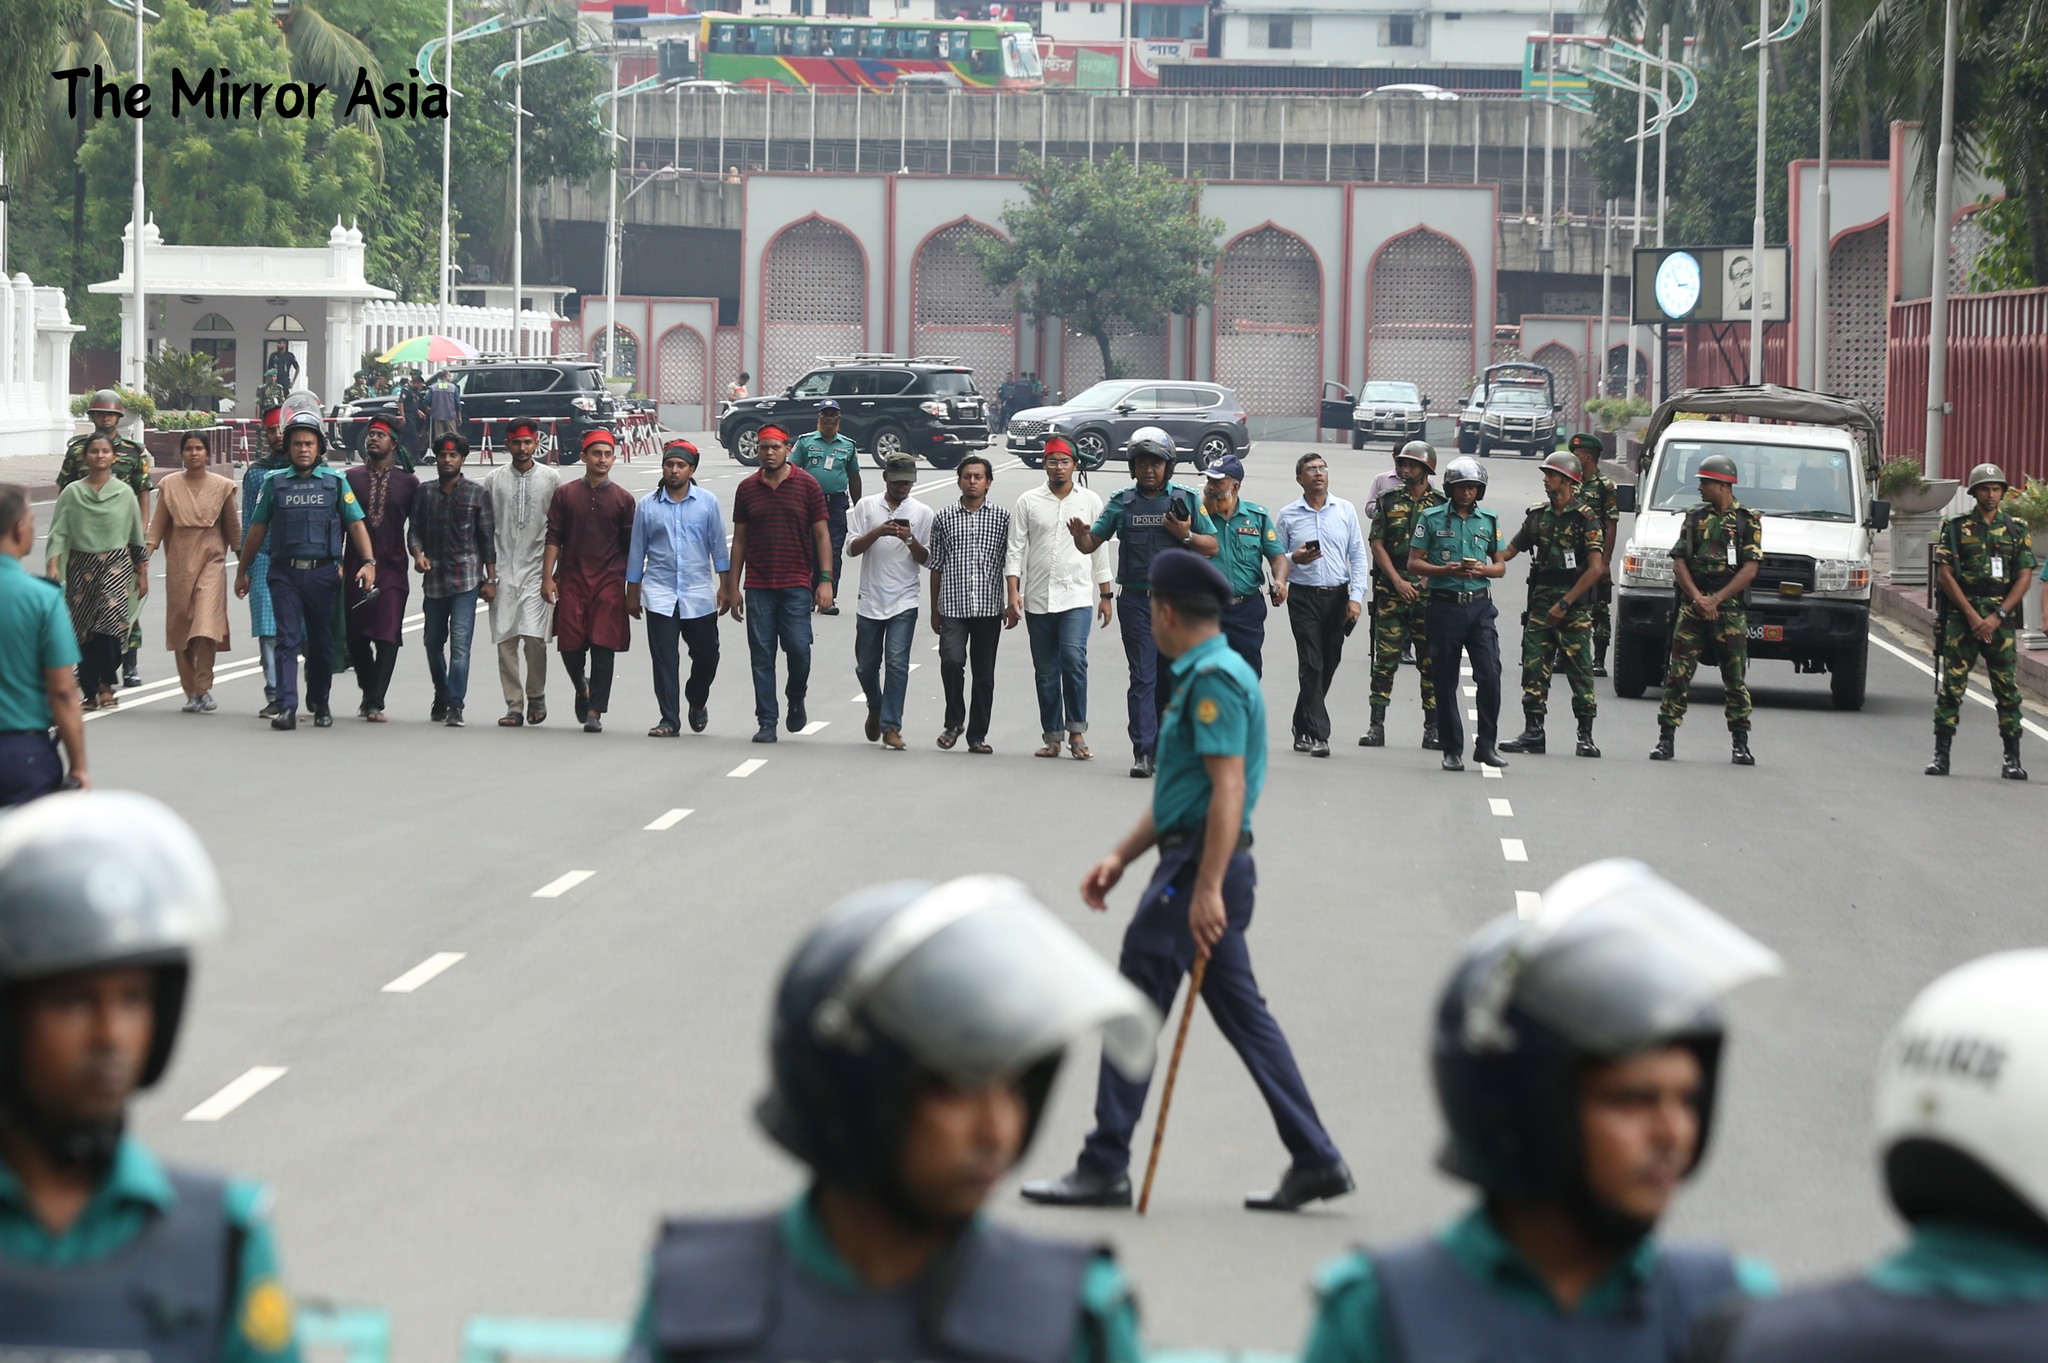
(501, 1137)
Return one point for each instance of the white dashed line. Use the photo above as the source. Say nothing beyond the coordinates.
(1513, 850)
(1464, 669)
(1528, 903)
(815, 726)
(749, 767)
(1472, 716)
(1491, 773)
(668, 820)
(1501, 809)
(915, 666)
(424, 971)
(861, 699)
(1471, 691)
(240, 1091)
(1972, 692)
(562, 884)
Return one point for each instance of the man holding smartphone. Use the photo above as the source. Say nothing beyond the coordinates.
(889, 532)
(1325, 592)
(1457, 548)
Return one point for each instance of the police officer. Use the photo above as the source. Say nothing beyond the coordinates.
(1962, 1135)
(1398, 601)
(314, 511)
(1567, 560)
(1457, 547)
(917, 1031)
(1212, 765)
(1247, 541)
(1576, 1059)
(131, 466)
(1603, 499)
(1985, 565)
(831, 458)
(1149, 516)
(1720, 544)
(104, 1251)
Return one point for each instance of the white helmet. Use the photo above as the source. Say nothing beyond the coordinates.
(1962, 1093)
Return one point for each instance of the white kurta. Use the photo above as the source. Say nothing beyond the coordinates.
(519, 505)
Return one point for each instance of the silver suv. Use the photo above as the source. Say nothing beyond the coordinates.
(1205, 420)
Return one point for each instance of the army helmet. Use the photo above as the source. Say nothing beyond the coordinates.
(1718, 468)
(107, 400)
(1420, 451)
(1466, 469)
(1987, 473)
(1565, 466)
(1154, 441)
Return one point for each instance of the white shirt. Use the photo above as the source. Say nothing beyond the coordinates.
(888, 574)
(519, 511)
(1052, 575)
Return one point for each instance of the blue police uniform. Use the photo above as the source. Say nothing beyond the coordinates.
(1216, 709)
(308, 515)
(1459, 619)
(1137, 523)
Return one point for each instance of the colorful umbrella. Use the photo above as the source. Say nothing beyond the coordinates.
(428, 350)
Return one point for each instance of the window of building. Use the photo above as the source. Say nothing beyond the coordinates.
(1168, 22)
(284, 321)
(1401, 30)
(1061, 6)
(1096, 7)
(1565, 23)
(1280, 32)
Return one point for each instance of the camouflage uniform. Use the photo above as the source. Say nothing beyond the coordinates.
(270, 395)
(1986, 558)
(1560, 544)
(1597, 494)
(1714, 544)
(131, 466)
(1394, 622)
(358, 391)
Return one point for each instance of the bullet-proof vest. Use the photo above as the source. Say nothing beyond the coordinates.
(1141, 534)
(305, 516)
(1856, 1322)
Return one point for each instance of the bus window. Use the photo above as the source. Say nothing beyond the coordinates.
(795, 40)
(845, 42)
(981, 62)
(1020, 58)
(722, 38)
(918, 43)
(874, 42)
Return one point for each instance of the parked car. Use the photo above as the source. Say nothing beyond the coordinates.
(567, 398)
(927, 406)
(1518, 408)
(1468, 419)
(1385, 409)
(1205, 420)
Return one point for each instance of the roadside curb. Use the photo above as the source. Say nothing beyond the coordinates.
(1908, 606)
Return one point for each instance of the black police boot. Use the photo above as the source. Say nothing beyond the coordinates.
(129, 676)
(1376, 732)
(1667, 744)
(1738, 746)
(1081, 1188)
(2011, 770)
(1453, 762)
(1141, 766)
(323, 718)
(1942, 740)
(1489, 757)
(1430, 741)
(285, 719)
(1599, 660)
(1530, 740)
(1303, 1184)
(1586, 748)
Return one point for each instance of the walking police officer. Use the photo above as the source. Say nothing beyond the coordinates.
(1962, 1134)
(1145, 518)
(131, 466)
(314, 512)
(1567, 561)
(1457, 547)
(1246, 542)
(1984, 564)
(1398, 601)
(1576, 1059)
(832, 459)
(104, 1251)
(917, 1031)
(1212, 765)
(1720, 545)
(1600, 496)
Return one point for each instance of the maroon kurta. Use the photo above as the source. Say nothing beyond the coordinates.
(385, 510)
(591, 528)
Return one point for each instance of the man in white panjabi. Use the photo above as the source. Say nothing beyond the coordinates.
(520, 493)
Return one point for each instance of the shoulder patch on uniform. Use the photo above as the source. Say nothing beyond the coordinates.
(267, 1317)
(1207, 710)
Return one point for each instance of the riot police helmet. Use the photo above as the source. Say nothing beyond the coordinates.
(1962, 1098)
(1718, 468)
(1466, 470)
(1151, 442)
(1986, 473)
(971, 982)
(107, 400)
(1418, 451)
(102, 881)
(305, 421)
(1565, 466)
(1616, 962)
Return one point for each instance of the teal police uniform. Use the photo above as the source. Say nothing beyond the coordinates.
(1460, 619)
(35, 637)
(1244, 541)
(833, 461)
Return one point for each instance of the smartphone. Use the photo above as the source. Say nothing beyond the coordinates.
(899, 520)
(1316, 545)
(1349, 625)
(367, 597)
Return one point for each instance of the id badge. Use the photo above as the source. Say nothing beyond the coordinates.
(1571, 558)
(1998, 565)
(1731, 553)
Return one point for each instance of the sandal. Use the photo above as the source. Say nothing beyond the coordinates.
(109, 700)
(511, 719)
(949, 738)
(1079, 748)
(375, 717)
(536, 713)
(1049, 750)
(663, 731)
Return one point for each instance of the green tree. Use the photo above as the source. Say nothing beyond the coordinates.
(1109, 248)
(183, 379)
(32, 35)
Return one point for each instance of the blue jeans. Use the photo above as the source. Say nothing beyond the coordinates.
(1059, 661)
(778, 615)
(870, 639)
(451, 620)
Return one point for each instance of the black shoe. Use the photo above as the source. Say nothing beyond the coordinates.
(2010, 769)
(1939, 766)
(593, 724)
(1530, 740)
(797, 719)
(1667, 744)
(454, 720)
(439, 713)
(699, 717)
(1586, 747)
(1303, 1184)
(270, 710)
(1738, 747)
(832, 609)
(874, 726)
(1599, 662)
(765, 734)
(1141, 766)
(1430, 741)
(1375, 735)
(1489, 757)
(1453, 762)
(285, 719)
(1301, 742)
(582, 706)
(323, 718)
(131, 678)
(1080, 1189)
(1319, 748)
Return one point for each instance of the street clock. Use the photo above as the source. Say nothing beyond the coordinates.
(1678, 285)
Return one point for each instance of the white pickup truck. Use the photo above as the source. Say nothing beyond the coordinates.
(1808, 465)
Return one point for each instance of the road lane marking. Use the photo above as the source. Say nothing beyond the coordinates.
(1491, 773)
(562, 884)
(1471, 691)
(1501, 809)
(129, 701)
(424, 971)
(238, 1092)
(915, 666)
(813, 727)
(1972, 692)
(668, 820)
(860, 699)
(1513, 850)
(748, 767)
(1528, 903)
(1472, 715)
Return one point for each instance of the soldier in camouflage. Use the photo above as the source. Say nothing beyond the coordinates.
(360, 390)
(1719, 549)
(1567, 547)
(131, 466)
(1984, 565)
(1398, 600)
(270, 394)
(1597, 492)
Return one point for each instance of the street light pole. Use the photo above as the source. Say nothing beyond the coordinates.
(447, 150)
(1549, 120)
(518, 189)
(1636, 236)
(611, 233)
(1823, 229)
(1127, 46)
(1937, 302)
(1756, 255)
(136, 376)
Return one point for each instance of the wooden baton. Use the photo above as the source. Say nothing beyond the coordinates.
(1180, 1042)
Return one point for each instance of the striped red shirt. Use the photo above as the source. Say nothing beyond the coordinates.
(781, 548)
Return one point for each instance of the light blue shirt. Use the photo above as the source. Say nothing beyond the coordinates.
(1344, 562)
(677, 552)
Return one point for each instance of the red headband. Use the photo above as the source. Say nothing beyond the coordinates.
(775, 433)
(1057, 444)
(593, 437)
(386, 422)
(526, 426)
(682, 447)
(274, 417)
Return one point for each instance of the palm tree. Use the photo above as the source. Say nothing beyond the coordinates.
(320, 50)
(1719, 25)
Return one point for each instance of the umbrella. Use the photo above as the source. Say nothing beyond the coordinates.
(428, 350)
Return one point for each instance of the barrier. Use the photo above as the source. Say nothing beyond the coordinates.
(504, 1339)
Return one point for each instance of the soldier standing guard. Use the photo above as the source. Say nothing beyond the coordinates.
(131, 467)
(1719, 548)
(1598, 493)
(1568, 559)
(1984, 564)
(1399, 602)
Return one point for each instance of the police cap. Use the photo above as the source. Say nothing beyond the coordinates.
(1987, 473)
(1187, 576)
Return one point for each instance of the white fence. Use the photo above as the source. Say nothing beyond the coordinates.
(490, 330)
(35, 368)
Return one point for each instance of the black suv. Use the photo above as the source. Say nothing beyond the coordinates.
(566, 397)
(926, 406)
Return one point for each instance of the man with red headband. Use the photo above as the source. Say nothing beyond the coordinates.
(583, 575)
(375, 621)
(521, 493)
(779, 535)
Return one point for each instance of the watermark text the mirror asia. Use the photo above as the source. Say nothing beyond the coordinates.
(214, 93)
